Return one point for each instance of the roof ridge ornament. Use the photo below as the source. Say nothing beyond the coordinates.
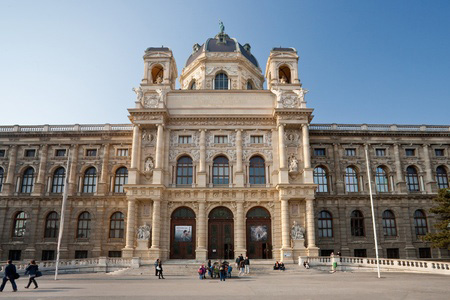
(221, 37)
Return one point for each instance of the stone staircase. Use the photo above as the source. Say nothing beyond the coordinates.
(188, 268)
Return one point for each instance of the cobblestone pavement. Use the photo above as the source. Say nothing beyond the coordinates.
(304, 285)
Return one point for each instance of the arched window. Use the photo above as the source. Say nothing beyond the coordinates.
(116, 225)
(51, 225)
(351, 180)
(257, 170)
(84, 225)
(325, 224)
(258, 213)
(220, 170)
(184, 170)
(221, 82)
(20, 224)
(27, 181)
(157, 74)
(121, 179)
(381, 180)
(357, 223)
(389, 227)
(412, 179)
(249, 85)
(2, 174)
(193, 85)
(58, 180)
(90, 180)
(284, 74)
(321, 179)
(420, 222)
(183, 213)
(441, 177)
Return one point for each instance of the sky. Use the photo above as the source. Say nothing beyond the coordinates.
(374, 62)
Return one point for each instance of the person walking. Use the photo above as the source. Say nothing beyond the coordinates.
(159, 269)
(201, 272)
(11, 275)
(247, 265)
(230, 268)
(241, 268)
(222, 272)
(32, 271)
(156, 267)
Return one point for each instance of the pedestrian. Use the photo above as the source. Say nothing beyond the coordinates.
(11, 275)
(32, 271)
(333, 263)
(159, 269)
(241, 268)
(247, 265)
(201, 272)
(222, 272)
(156, 266)
(230, 268)
(238, 260)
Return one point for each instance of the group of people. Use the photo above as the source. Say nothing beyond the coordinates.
(11, 275)
(221, 270)
(243, 264)
(279, 266)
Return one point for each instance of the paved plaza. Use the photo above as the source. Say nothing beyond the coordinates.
(300, 285)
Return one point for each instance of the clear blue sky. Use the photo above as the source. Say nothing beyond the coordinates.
(64, 62)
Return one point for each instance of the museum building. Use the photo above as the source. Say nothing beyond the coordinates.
(219, 168)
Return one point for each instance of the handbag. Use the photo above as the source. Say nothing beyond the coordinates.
(16, 276)
(38, 274)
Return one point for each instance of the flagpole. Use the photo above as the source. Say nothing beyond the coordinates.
(373, 213)
(63, 209)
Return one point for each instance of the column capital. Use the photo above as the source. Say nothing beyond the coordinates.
(240, 130)
(426, 145)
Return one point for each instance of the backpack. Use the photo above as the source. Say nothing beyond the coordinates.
(200, 271)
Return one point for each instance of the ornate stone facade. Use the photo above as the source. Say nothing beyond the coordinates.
(213, 173)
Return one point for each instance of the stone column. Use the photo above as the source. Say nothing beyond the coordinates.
(240, 229)
(103, 184)
(73, 169)
(283, 176)
(40, 180)
(239, 176)
(157, 172)
(339, 187)
(201, 252)
(430, 184)
(201, 176)
(401, 184)
(286, 249)
(133, 173)
(307, 172)
(156, 229)
(310, 228)
(128, 251)
(9, 185)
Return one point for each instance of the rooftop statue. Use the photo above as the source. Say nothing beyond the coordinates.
(221, 27)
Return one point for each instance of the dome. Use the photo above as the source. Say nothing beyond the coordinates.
(222, 43)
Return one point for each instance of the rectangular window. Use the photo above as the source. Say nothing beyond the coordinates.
(360, 253)
(79, 254)
(220, 139)
(319, 151)
(115, 254)
(2, 152)
(380, 152)
(30, 153)
(410, 152)
(256, 139)
(424, 253)
(437, 152)
(91, 152)
(48, 254)
(184, 139)
(326, 252)
(15, 255)
(350, 152)
(392, 253)
(122, 152)
(60, 152)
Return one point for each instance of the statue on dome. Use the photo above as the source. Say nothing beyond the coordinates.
(139, 93)
(221, 27)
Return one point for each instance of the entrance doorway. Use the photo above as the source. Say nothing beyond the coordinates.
(220, 234)
(182, 234)
(259, 233)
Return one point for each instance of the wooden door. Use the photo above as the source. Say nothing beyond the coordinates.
(182, 234)
(221, 239)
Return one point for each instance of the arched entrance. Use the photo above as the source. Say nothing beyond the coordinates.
(182, 234)
(220, 234)
(259, 233)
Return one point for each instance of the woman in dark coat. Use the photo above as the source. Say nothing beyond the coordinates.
(160, 270)
(32, 270)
